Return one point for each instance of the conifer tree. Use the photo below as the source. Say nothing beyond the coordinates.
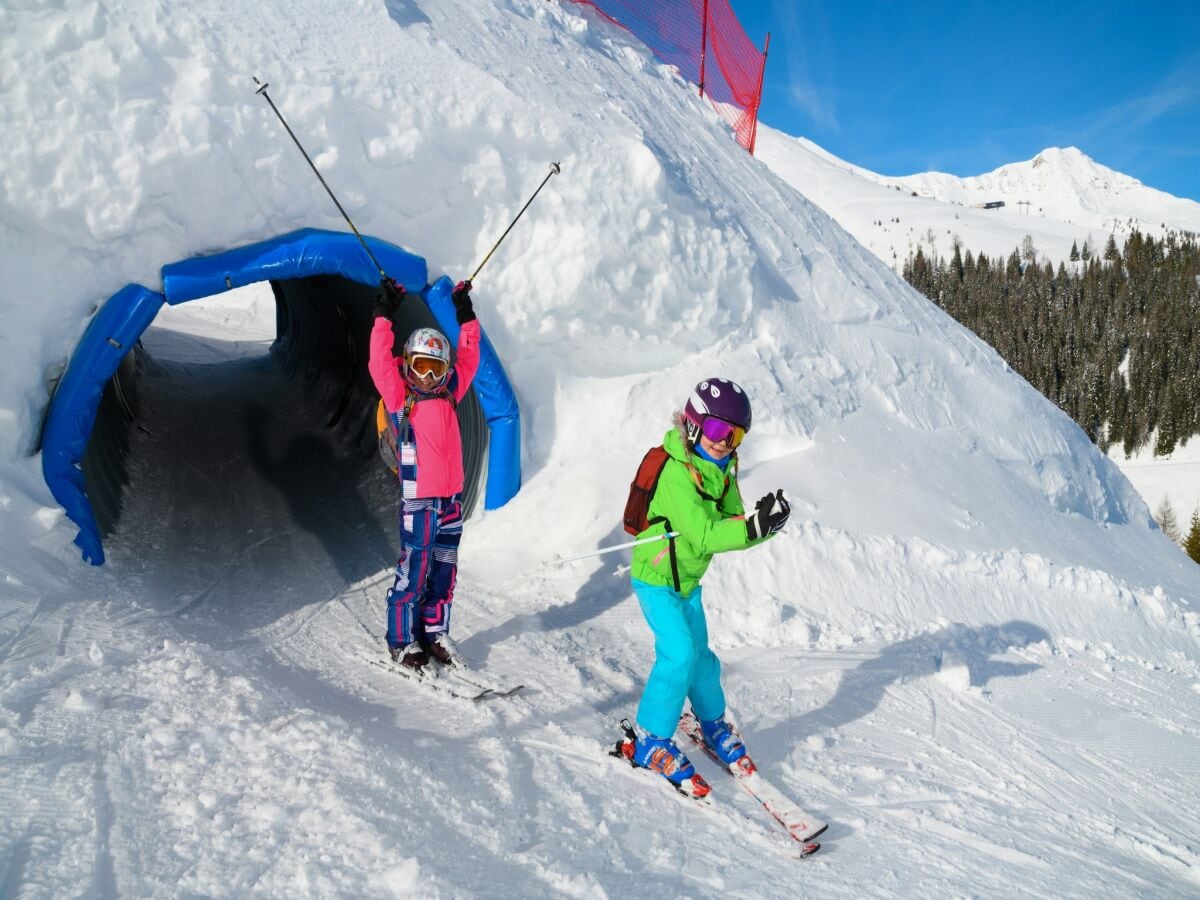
(1192, 544)
(1074, 252)
(1114, 342)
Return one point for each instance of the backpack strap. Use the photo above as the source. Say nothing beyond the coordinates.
(400, 423)
(641, 495)
(411, 398)
(395, 429)
(670, 550)
(389, 432)
(697, 481)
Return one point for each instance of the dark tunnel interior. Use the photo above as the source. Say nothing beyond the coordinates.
(320, 352)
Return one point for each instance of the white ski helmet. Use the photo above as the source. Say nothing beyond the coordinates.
(428, 345)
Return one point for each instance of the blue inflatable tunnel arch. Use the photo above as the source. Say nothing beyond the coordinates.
(120, 322)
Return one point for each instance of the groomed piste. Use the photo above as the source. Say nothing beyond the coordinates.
(323, 284)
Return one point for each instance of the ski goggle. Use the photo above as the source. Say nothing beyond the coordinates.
(427, 366)
(717, 430)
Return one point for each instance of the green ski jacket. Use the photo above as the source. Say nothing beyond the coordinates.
(709, 522)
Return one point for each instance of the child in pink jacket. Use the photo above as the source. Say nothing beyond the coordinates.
(421, 392)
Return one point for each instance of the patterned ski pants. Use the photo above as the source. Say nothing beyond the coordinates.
(684, 666)
(423, 589)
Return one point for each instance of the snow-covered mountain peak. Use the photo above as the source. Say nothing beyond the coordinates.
(1061, 197)
(1067, 185)
(1068, 173)
(1062, 156)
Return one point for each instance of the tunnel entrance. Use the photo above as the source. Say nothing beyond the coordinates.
(304, 409)
(243, 500)
(260, 457)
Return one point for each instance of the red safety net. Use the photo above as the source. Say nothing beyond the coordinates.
(705, 42)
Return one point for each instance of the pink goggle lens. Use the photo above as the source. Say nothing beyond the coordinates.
(717, 430)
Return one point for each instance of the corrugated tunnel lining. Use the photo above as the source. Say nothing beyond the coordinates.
(88, 382)
(323, 325)
(105, 472)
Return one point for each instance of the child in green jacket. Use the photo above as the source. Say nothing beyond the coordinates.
(697, 497)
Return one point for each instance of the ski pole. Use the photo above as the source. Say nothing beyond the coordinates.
(555, 168)
(263, 90)
(649, 540)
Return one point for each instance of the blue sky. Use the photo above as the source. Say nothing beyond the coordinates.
(966, 87)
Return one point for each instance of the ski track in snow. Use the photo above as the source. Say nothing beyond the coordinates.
(293, 767)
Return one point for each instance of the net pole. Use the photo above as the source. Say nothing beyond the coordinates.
(758, 95)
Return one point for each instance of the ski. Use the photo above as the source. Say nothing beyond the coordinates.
(707, 802)
(473, 693)
(470, 677)
(800, 825)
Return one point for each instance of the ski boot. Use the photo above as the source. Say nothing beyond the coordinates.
(662, 756)
(725, 743)
(440, 649)
(411, 656)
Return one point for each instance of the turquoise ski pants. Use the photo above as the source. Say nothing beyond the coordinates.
(684, 666)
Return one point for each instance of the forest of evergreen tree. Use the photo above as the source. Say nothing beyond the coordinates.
(1113, 339)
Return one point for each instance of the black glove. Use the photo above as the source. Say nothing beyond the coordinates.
(389, 298)
(770, 514)
(461, 295)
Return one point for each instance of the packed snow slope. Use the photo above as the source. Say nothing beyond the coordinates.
(970, 652)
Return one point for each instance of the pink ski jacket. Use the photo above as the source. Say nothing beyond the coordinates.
(434, 422)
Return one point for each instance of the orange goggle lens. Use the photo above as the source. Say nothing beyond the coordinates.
(425, 366)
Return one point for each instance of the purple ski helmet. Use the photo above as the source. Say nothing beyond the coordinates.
(717, 398)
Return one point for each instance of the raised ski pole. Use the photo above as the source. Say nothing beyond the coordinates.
(649, 540)
(555, 168)
(263, 90)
